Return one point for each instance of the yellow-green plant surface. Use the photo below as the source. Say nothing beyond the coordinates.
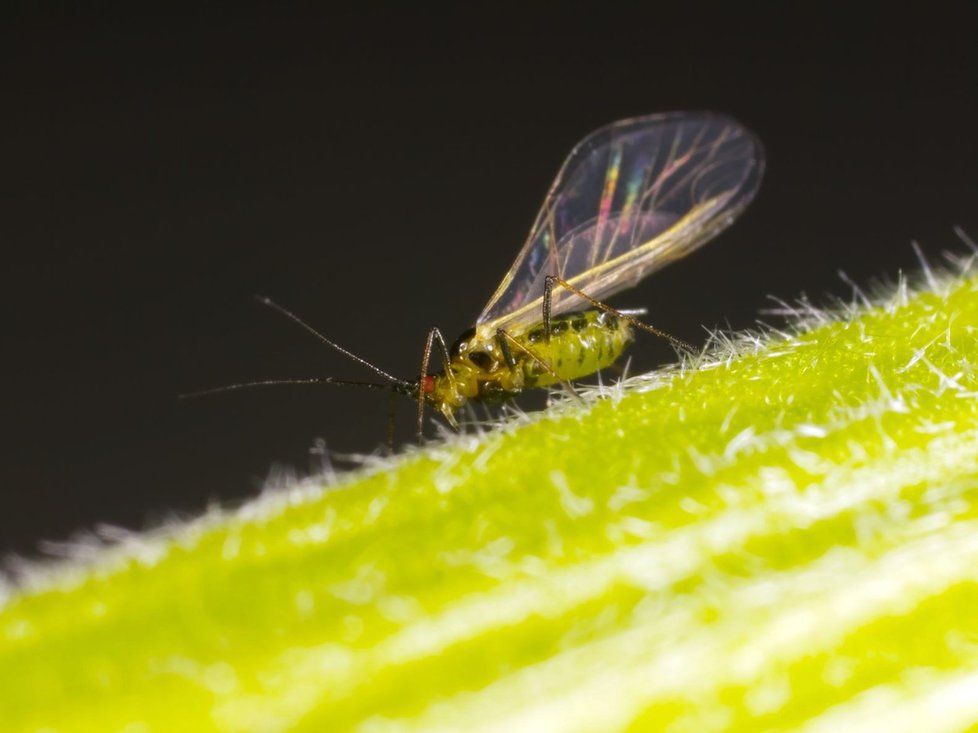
(781, 535)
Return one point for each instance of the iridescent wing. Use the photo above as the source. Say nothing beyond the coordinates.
(630, 198)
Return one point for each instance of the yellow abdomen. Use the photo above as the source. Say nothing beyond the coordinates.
(580, 344)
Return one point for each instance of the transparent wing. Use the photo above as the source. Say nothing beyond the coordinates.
(630, 198)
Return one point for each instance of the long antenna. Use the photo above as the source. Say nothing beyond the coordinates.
(275, 382)
(289, 314)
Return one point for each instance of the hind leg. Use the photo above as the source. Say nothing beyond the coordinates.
(551, 280)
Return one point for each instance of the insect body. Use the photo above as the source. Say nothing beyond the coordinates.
(492, 369)
(631, 197)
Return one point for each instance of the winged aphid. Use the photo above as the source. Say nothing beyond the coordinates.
(630, 198)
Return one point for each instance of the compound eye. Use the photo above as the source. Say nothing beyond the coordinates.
(481, 359)
(461, 343)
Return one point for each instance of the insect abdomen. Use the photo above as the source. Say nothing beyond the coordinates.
(580, 344)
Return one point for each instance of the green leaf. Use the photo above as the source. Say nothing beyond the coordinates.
(782, 533)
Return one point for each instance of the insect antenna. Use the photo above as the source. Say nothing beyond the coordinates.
(292, 316)
(276, 382)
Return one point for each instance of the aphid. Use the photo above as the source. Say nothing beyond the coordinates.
(631, 197)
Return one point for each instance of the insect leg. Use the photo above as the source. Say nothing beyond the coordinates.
(548, 293)
(504, 347)
(548, 289)
(547, 283)
(425, 358)
(446, 358)
(552, 279)
(502, 336)
(391, 414)
(433, 335)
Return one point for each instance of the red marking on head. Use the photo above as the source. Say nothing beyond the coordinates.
(428, 384)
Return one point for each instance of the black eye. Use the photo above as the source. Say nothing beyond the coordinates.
(481, 359)
(460, 342)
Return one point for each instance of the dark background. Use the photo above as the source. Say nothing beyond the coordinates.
(377, 172)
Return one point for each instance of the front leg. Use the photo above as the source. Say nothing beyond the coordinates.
(433, 335)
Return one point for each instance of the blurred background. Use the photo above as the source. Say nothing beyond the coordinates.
(377, 172)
